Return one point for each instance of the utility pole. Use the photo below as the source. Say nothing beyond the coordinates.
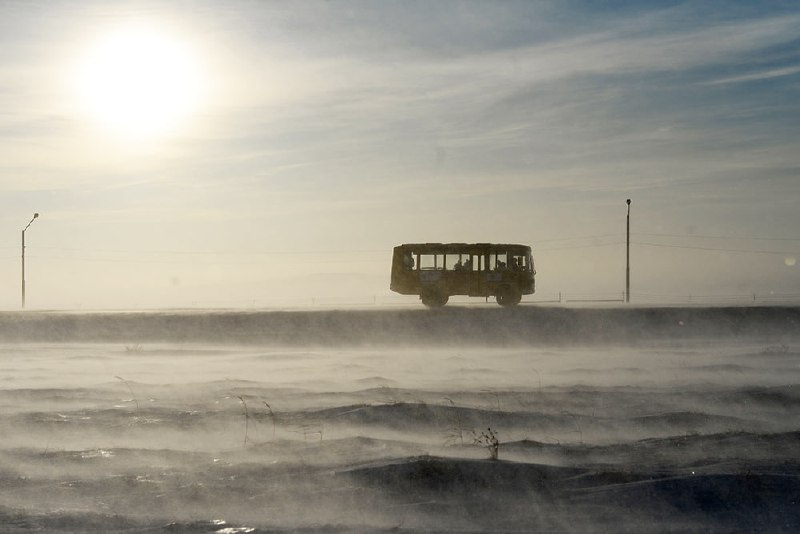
(35, 215)
(628, 255)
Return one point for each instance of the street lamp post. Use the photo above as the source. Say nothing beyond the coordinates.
(628, 254)
(35, 215)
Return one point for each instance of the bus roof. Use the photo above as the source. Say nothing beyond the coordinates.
(463, 247)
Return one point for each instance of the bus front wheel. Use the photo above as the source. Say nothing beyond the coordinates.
(434, 299)
(509, 296)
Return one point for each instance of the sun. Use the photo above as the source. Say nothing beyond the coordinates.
(139, 82)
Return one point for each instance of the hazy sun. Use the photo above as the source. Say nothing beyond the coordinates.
(139, 82)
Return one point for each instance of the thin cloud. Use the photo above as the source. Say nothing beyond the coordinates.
(614, 52)
(756, 76)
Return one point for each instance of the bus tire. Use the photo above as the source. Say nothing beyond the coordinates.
(509, 296)
(434, 299)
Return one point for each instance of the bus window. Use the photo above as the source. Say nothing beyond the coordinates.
(519, 262)
(471, 263)
(408, 260)
(431, 261)
(453, 262)
(498, 261)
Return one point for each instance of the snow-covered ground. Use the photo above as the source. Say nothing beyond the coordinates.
(639, 420)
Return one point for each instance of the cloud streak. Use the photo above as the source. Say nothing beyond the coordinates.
(758, 76)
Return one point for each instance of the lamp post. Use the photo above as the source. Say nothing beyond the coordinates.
(628, 254)
(35, 215)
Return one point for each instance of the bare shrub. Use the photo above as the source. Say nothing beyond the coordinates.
(489, 440)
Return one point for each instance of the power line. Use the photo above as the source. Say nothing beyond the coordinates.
(739, 238)
(211, 252)
(384, 252)
(193, 262)
(573, 247)
(603, 236)
(715, 249)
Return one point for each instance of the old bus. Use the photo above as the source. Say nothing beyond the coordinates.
(437, 271)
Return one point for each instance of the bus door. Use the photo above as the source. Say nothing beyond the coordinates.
(496, 267)
(477, 278)
(477, 281)
(458, 267)
(430, 268)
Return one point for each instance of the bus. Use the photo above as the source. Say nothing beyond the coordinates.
(437, 271)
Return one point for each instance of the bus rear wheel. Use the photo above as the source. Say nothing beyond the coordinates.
(434, 299)
(509, 296)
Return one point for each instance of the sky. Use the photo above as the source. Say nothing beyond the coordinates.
(249, 153)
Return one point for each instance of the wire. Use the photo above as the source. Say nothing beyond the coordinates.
(700, 236)
(191, 262)
(383, 252)
(715, 249)
(213, 252)
(577, 238)
(593, 245)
